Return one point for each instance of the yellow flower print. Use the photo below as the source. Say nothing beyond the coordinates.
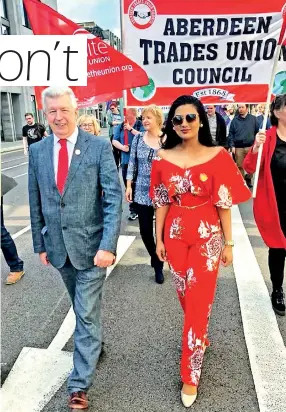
(203, 177)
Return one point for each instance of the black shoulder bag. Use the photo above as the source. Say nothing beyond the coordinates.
(135, 173)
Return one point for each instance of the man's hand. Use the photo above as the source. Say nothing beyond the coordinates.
(103, 259)
(127, 127)
(233, 150)
(25, 152)
(44, 258)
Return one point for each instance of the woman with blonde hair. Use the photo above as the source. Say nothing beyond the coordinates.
(143, 150)
(89, 124)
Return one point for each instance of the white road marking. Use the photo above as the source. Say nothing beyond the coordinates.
(38, 373)
(11, 151)
(266, 349)
(13, 160)
(66, 330)
(21, 232)
(23, 174)
(124, 243)
(13, 167)
(64, 333)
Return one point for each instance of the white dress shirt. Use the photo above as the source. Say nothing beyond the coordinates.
(71, 142)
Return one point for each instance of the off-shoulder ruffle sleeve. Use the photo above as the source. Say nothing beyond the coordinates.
(158, 190)
(229, 187)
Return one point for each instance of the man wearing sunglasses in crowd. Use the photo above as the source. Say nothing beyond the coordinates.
(122, 140)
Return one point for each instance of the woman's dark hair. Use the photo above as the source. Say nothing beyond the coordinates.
(173, 139)
(278, 103)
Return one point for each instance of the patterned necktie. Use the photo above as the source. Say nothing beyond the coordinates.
(63, 165)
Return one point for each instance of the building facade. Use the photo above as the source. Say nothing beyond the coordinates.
(16, 101)
(106, 35)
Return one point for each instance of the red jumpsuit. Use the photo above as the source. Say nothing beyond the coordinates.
(193, 240)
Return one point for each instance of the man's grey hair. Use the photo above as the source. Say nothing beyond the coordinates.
(58, 91)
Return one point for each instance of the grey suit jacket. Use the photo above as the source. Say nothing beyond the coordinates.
(81, 221)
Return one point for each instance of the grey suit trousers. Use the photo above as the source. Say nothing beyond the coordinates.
(85, 290)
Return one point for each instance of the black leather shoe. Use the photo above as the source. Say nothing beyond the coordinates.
(278, 303)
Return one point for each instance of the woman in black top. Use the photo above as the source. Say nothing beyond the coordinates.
(270, 202)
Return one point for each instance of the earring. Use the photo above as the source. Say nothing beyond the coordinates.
(201, 125)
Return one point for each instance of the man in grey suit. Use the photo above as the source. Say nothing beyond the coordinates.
(75, 207)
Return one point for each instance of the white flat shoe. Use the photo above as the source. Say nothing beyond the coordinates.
(188, 400)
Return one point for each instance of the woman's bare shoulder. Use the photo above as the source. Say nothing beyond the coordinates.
(166, 153)
(216, 150)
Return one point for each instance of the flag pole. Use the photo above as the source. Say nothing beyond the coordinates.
(268, 101)
(123, 51)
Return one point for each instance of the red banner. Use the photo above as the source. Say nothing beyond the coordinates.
(109, 71)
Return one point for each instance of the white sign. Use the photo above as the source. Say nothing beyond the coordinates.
(43, 60)
(203, 48)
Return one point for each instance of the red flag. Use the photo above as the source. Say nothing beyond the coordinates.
(82, 103)
(282, 37)
(109, 71)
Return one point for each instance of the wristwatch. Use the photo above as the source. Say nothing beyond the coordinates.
(131, 129)
(229, 243)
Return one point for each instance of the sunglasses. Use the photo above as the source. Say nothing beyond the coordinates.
(178, 119)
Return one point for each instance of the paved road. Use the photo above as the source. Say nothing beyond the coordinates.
(143, 322)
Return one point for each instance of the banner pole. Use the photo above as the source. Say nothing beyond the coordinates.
(123, 51)
(268, 101)
(270, 89)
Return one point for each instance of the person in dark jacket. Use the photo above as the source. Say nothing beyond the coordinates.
(241, 137)
(269, 205)
(8, 246)
(133, 127)
(260, 119)
(217, 126)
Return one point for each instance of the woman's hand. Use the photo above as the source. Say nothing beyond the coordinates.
(129, 194)
(260, 139)
(161, 251)
(227, 256)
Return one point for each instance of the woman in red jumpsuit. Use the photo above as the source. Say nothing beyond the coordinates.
(193, 186)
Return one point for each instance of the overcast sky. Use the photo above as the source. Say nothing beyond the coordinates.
(105, 13)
